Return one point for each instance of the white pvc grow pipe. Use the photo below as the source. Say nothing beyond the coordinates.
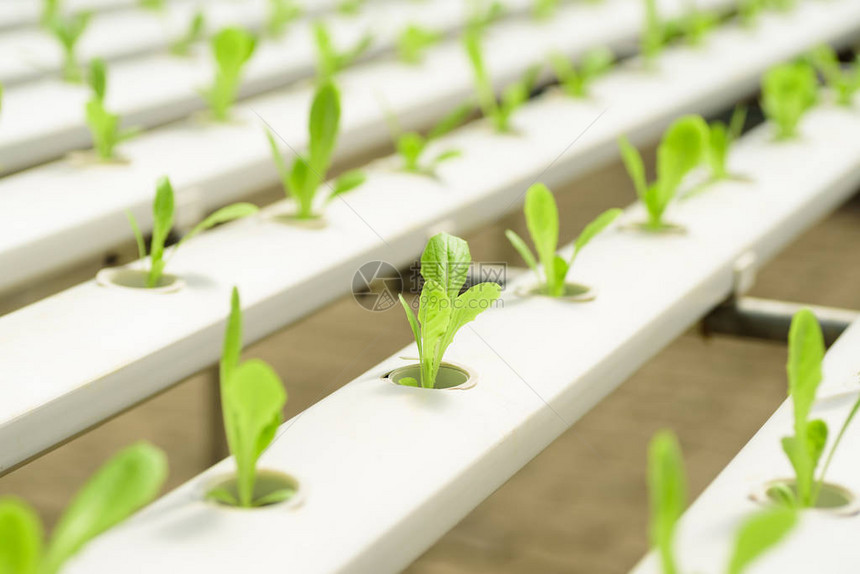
(821, 542)
(20, 13)
(137, 344)
(86, 207)
(387, 470)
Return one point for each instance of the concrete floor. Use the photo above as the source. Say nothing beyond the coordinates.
(580, 506)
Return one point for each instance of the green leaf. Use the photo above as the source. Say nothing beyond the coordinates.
(523, 250)
(653, 36)
(20, 538)
(483, 87)
(410, 146)
(280, 164)
(223, 215)
(434, 313)
(634, 165)
(409, 382)
(323, 126)
(468, 306)
(196, 28)
(138, 236)
(788, 92)
(718, 150)
(682, 148)
(450, 122)
(446, 261)
(413, 41)
(275, 497)
(542, 222)
(223, 496)
(232, 48)
(413, 322)
(98, 78)
(560, 268)
(593, 229)
(667, 486)
(758, 534)
(127, 482)
(446, 155)
(232, 347)
(162, 223)
(347, 182)
(279, 16)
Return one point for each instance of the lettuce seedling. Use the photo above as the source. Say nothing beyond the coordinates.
(303, 179)
(104, 126)
(788, 92)
(412, 145)
(758, 534)
(196, 29)
(483, 13)
(68, 31)
(252, 401)
(162, 224)
(542, 222)
(499, 111)
(330, 60)
(682, 148)
(123, 485)
(413, 41)
(442, 309)
(843, 81)
(280, 15)
(232, 48)
(696, 24)
(576, 82)
(720, 139)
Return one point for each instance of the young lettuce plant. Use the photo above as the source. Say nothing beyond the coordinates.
(303, 179)
(280, 15)
(196, 29)
(682, 148)
(499, 111)
(162, 224)
(413, 41)
(788, 92)
(68, 31)
(330, 60)
(104, 126)
(442, 309)
(412, 145)
(576, 82)
(123, 485)
(843, 81)
(252, 401)
(720, 139)
(232, 48)
(542, 222)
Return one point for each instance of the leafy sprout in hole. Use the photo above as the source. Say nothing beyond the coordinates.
(68, 31)
(196, 29)
(281, 13)
(442, 309)
(104, 126)
(232, 48)
(683, 147)
(575, 81)
(498, 111)
(542, 222)
(843, 81)
(252, 401)
(302, 180)
(720, 139)
(413, 41)
(162, 224)
(330, 60)
(412, 146)
(128, 481)
(788, 92)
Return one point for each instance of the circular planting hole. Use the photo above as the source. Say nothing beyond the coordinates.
(271, 489)
(136, 279)
(572, 292)
(449, 377)
(832, 498)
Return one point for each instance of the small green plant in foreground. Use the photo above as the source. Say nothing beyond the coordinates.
(412, 146)
(195, 32)
(162, 223)
(542, 221)
(500, 111)
(843, 81)
(442, 309)
(788, 92)
(575, 81)
(682, 148)
(280, 15)
(806, 446)
(720, 140)
(304, 178)
(330, 60)
(232, 48)
(123, 485)
(68, 31)
(104, 126)
(413, 41)
(667, 487)
(252, 401)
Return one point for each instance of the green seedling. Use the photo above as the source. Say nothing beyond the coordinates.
(788, 92)
(654, 33)
(750, 10)
(303, 179)
(68, 31)
(482, 14)
(781, 5)
(542, 222)
(350, 7)
(123, 485)
(50, 11)
(696, 24)
(153, 5)
(195, 32)
(682, 148)
(442, 309)
(720, 139)
(413, 41)
(545, 9)
(104, 126)
(280, 15)
(232, 48)
(162, 224)
(499, 111)
(806, 446)
(758, 534)
(843, 81)
(330, 60)
(412, 146)
(252, 402)
(576, 81)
